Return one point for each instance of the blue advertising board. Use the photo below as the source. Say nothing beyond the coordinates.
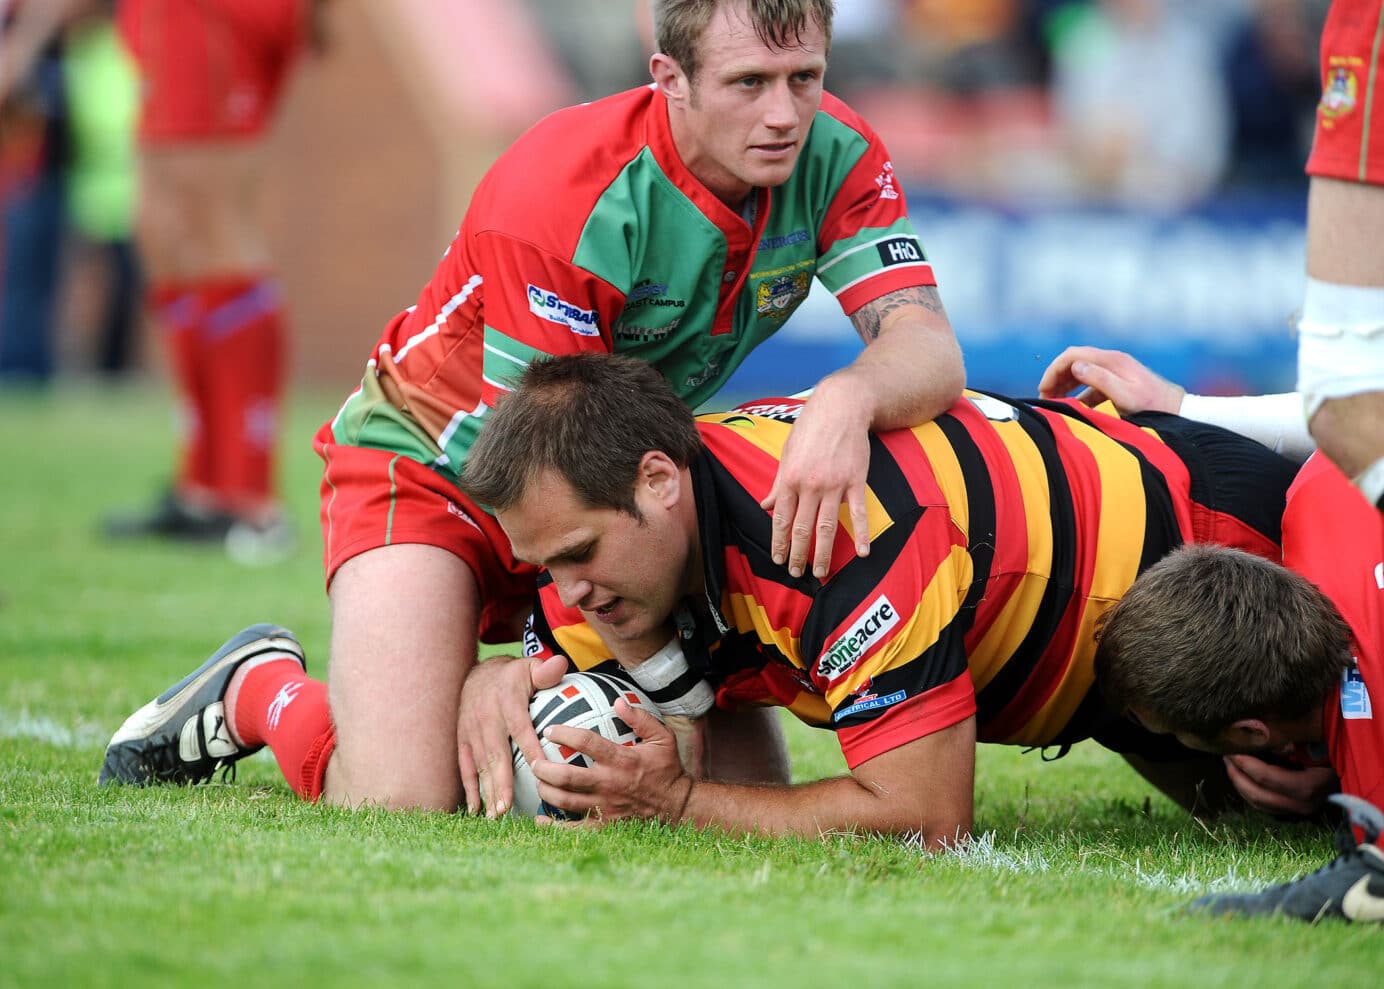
(1206, 297)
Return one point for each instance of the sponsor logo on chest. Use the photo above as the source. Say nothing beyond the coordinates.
(843, 654)
(549, 305)
(532, 645)
(1355, 696)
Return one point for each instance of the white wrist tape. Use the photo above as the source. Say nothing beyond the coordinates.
(1340, 342)
(1273, 420)
(1370, 481)
(671, 684)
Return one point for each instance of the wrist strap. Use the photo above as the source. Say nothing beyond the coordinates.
(671, 684)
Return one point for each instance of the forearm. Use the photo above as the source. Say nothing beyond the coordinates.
(1273, 420)
(813, 810)
(910, 373)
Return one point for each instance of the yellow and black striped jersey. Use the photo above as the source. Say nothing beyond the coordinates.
(999, 534)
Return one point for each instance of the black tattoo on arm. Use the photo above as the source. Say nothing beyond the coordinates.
(868, 318)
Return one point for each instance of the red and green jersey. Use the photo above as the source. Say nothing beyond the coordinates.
(1000, 533)
(590, 234)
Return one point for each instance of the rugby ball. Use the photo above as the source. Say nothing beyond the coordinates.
(581, 700)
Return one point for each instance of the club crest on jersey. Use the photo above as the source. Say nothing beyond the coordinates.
(552, 307)
(885, 181)
(1341, 90)
(1355, 696)
(778, 296)
(842, 655)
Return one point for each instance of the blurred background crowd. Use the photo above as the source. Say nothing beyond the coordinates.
(1081, 170)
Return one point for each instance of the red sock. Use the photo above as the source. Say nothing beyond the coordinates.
(281, 707)
(175, 308)
(243, 353)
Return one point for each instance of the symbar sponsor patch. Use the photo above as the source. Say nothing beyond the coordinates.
(1355, 697)
(842, 655)
(552, 307)
(900, 250)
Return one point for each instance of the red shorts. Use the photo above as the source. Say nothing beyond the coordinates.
(373, 498)
(211, 69)
(1349, 140)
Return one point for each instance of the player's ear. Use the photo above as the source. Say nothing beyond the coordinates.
(1249, 734)
(662, 477)
(669, 77)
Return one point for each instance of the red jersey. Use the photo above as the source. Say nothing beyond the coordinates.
(589, 233)
(1335, 539)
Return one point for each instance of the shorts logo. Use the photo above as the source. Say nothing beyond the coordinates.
(778, 296)
(900, 250)
(1355, 697)
(552, 307)
(843, 654)
(1340, 93)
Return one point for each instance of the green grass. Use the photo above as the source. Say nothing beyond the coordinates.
(1077, 880)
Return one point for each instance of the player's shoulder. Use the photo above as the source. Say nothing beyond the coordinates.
(546, 184)
(589, 142)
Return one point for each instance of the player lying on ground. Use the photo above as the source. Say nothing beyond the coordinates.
(1235, 654)
(999, 534)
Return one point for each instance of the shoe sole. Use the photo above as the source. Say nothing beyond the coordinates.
(124, 751)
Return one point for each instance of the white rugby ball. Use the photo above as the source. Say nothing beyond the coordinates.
(581, 700)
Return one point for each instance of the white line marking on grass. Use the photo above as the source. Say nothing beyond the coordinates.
(42, 729)
(984, 854)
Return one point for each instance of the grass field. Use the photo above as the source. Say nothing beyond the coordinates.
(1077, 878)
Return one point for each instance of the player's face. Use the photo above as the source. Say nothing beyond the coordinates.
(742, 122)
(625, 574)
(1222, 744)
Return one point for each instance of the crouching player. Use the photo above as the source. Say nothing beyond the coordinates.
(999, 534)
(1238, 655)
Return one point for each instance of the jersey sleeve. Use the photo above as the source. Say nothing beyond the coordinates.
(867, 245)
(884, 641)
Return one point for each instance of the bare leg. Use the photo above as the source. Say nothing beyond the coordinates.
(404, 624)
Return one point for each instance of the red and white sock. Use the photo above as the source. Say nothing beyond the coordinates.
(280, 706)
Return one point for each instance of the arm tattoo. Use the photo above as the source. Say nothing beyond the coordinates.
(867, 318)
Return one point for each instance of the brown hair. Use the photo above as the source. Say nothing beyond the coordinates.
(680, 24)
(1209, 635)
(590, 417)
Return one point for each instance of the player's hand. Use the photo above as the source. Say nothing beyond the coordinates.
(494, 709)
(639, 781)
(824, 464)
(1280, 790)
(1109, 375)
